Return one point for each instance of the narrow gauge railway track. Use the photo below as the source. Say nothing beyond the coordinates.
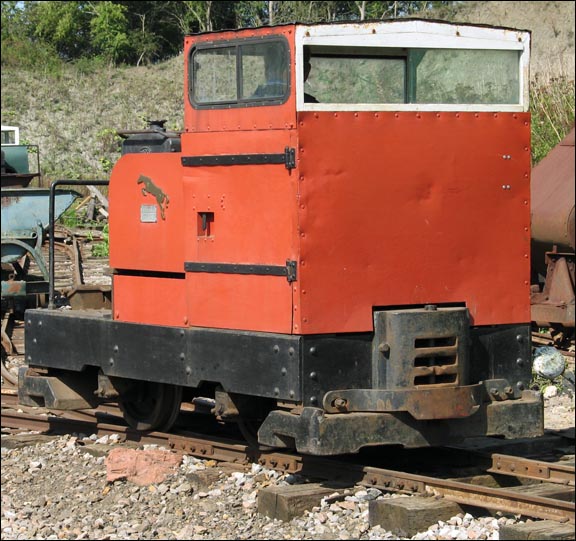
(107, 420)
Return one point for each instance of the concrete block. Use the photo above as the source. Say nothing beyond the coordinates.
(408, 516)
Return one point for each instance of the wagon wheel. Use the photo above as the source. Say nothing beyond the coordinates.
(151, 406)
(26, 250)
(20, 266)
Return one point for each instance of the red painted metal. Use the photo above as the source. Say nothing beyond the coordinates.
(240, 119)
(254, 220)
(151, 300)
(137, 246)
(383, 209)
(409, 209)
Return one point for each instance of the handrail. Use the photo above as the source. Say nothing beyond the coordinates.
(52, 210)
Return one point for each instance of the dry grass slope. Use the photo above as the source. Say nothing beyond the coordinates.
(74, 115)
(551, 24)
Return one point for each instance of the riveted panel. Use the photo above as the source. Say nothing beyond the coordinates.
(412, 208)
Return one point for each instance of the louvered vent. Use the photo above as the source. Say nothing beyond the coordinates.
(436, 361)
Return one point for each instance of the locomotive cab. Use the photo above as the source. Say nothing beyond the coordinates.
(335, 253)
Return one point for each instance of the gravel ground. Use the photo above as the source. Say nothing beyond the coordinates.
(57, 488)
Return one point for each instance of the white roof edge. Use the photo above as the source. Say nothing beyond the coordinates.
(414, 26)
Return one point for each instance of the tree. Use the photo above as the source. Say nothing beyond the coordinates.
(143, 31)
(109, 31)
(64, 25)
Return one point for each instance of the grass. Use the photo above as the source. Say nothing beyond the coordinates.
(552, 109)
(74, 218)
(102, 249)
(540, 383)
(73, 113)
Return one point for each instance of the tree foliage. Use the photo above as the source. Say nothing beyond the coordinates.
(110, 31)
(134, 32)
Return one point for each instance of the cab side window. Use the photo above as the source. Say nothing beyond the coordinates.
(240, 74)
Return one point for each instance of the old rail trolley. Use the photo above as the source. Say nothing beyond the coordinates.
(334, 255)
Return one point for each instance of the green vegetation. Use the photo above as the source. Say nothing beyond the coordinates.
(75, 218)
(70, 218)
(552, 108)
(540, 383)
(102, 249)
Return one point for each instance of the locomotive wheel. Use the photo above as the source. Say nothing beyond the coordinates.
(252, 412)
(249, 430)
(152, 406)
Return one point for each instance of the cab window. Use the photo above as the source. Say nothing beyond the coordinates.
(240, 74)
(354, 75)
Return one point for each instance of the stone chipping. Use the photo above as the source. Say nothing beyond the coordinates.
(57, 487)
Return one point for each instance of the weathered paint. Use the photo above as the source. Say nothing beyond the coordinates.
(383, 209)
(553, 196)
(412, 209)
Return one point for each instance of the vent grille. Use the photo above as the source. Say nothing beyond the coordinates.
(436, 361)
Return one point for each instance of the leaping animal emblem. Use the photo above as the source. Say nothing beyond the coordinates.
(150, 188)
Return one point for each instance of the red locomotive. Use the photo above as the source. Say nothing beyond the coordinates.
(335, 250)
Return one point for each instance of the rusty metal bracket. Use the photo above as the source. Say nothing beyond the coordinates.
(422, 404)
(193, 447)
(499, 389)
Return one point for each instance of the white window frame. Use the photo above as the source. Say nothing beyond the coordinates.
(414, 34)
(16, 132)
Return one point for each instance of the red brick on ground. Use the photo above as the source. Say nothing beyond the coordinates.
(141, 467)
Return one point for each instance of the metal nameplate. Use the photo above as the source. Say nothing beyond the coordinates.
(148, 214)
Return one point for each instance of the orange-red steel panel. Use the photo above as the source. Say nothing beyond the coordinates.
(236, 301)
(409, 209)
(146, 213)
(251, 220)
(225, 119)
(150, 300)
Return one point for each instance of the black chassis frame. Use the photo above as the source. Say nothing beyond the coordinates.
(297, 369)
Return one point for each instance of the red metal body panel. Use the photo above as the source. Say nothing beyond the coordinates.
(383, 209)
(150, 300)
(254, 222)
(409, 209)
(155, 247)
(243, 302)
(240, 119)
(141, 246)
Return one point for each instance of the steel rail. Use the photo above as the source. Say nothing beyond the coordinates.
(532, 469)
(223, 450)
